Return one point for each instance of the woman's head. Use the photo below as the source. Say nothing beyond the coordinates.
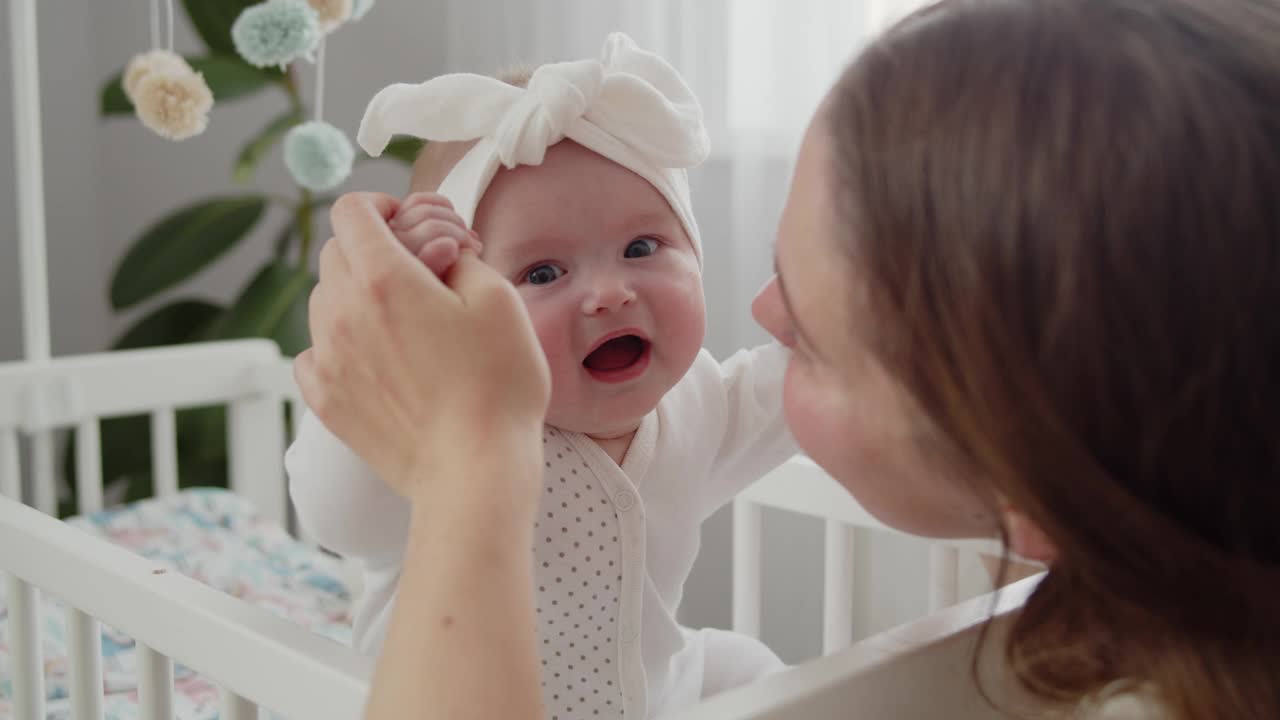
(1040, 243)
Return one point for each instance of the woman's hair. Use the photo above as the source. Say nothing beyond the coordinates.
(1068, 216)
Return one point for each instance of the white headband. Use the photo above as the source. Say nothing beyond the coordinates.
(630, 106)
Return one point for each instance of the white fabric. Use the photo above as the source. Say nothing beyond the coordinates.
(630, 106)
(718, 430)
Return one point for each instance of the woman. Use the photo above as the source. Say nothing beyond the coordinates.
(1027, 268)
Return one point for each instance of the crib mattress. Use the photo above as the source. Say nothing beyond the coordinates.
(215, 537)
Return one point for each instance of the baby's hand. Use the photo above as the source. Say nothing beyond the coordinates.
(426, 224)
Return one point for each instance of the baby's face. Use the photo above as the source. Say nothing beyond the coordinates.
(610, 280)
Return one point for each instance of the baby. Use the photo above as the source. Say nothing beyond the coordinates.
(577, 186)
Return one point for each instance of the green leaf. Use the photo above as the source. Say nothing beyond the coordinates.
(273, 305)
(251, 155)
(178, 322)
(212, 19)
(182, 244)
(228, 77)
(405, 149)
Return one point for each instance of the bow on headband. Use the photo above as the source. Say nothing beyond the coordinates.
(630, 106)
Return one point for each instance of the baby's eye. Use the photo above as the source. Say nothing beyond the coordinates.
(543, 274)
(641, 247)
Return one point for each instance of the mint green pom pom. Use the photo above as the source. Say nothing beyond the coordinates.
(318, 155)
(360, 7)
(276, 32)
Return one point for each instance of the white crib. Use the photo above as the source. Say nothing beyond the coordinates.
(260, 660)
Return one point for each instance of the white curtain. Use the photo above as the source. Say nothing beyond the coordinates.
(759, 67)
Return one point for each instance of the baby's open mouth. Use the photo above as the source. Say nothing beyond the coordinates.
(617, 354)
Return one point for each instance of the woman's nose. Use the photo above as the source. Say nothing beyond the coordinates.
(770, 313)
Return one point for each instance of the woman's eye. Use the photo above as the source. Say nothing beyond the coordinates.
(641, 247)
(543, 274)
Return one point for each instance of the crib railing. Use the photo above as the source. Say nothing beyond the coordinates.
(171, 617)
(800, 486)
(255, 657)
(78, 392)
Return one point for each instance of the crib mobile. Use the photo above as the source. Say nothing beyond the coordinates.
(173, 100)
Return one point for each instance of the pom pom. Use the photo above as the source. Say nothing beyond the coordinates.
(162, 62)
(331, 13)
(276, 32)
(360, 7)
(174, 106)
(318, 155)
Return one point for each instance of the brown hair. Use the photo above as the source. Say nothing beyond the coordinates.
(1068, 213)
(436, 159)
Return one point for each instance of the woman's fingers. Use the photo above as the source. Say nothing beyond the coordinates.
(360, 226)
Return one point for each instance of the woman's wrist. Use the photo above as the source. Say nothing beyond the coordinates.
(487, 477)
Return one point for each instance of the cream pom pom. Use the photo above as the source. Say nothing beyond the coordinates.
(332, 13)
(174, 106)
(164, 62)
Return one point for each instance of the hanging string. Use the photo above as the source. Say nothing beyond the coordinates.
(155, 24)
(169, 3)
(320, 81)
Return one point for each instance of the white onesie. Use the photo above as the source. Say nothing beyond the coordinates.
(614, 545)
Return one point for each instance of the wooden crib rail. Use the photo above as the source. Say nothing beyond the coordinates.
(174, 619)
(77, 392)
(918, 671)
(800, 486)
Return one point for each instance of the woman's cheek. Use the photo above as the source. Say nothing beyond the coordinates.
(808, 420)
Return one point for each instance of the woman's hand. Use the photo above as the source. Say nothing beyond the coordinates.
(417, 374)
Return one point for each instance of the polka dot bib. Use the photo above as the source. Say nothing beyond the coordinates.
(587, 606)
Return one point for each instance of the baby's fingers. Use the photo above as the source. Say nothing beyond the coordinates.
(416, 237)
(439, 254)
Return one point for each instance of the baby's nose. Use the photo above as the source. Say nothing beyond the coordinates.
(607, 295)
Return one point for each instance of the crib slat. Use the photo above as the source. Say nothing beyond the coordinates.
(24, 634)
(296, 408)
(747, 526)
(944, 577)
(10, 465)
(164, 452)
(42, 465)
(235, 707)
(88, 467)
(84, 638)
(255, 446)
(837, 587)
(155, 684)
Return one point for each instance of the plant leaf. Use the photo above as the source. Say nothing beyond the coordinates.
(273, 305)
(252, 153)
(228, 77)
(182, 244)
(403, 148)
(178, 322)
(212, 19)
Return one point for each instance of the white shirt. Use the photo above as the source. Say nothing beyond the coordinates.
(718, 430)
